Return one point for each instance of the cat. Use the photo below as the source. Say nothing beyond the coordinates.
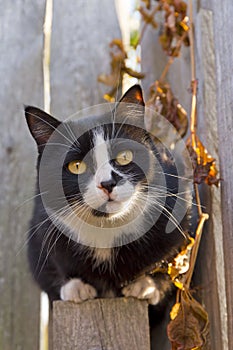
(105, 196)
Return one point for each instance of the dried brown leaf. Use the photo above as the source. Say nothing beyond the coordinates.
(134, 73)
(148, 16)
(175, 27)
(118, 69)
(171, 21)
(189, 328)
(147, 3)
(163, 102)
(204, 164)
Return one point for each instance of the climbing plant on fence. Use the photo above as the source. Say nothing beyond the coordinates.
(189, 325)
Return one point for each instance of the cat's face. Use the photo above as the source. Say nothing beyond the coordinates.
(100, 176)
(106, 171)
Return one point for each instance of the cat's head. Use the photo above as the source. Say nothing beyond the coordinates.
(99, 176)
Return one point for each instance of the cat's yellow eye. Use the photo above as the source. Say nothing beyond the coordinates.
(77, 167)
(124, 157)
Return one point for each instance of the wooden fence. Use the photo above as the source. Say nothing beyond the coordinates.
(110, 324)
(81, 33)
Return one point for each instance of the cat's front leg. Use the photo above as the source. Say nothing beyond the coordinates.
(77, 291)
(143, 288)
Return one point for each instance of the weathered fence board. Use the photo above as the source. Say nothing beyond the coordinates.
(82, 31)
(210, 266)
(101, 324)
(153, 62)
(214, 56)
(223, 29)
(21, 82)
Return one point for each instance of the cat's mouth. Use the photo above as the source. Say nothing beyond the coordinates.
(111, 208)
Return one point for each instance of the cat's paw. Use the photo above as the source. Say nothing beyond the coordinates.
(143, 288)
(77, 291)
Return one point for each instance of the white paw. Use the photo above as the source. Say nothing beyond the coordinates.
(77, 291)
(143, 288)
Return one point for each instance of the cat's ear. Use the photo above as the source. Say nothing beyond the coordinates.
(133, 95)
(41, 125)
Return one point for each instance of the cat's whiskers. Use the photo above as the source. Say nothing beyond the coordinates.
(171, 194)
(163, 194)
(120, 128)
(35, 229)
(70, 132)
(74, 216)
(30, 199)
(165, 211)
(163, 190)
(131, 112)
(49, 250)
(55, 223)
(188, 179)
(50, 232)
(60, 144)
(79, 209)
(116, 103)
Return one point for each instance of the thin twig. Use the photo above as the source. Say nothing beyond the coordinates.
(171, 59)
(198, 200)
(156, 8)
(193, 119)
(191, 39)
(44, 305)
(47, 53)
(165, 70)
(193, 116)
(193, 129)
(195, 249)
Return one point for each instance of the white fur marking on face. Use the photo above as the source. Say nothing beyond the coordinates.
(77, 291)
(101, 156)
(121, 193)
(95, 197)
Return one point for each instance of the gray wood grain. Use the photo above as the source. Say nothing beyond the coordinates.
(21, 82)
(210, 266)
(101, 324)
(223, 29)
(154, 60)
(82, 31)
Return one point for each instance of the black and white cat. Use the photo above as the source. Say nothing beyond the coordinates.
(106, 195)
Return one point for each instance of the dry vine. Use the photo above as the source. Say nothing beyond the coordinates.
(189, 325)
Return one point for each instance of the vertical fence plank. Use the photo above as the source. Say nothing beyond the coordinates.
(210, 266)
(223, 27)
(153, 60)
(82, 31)
(21, 82)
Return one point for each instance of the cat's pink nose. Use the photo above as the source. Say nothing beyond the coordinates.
(108, 185)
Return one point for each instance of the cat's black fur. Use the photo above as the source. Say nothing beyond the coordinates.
(55, 258)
